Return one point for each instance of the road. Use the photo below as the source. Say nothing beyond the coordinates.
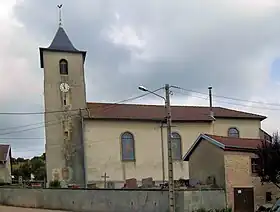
(13, 209)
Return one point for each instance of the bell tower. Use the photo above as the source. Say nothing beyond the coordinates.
(65, 99)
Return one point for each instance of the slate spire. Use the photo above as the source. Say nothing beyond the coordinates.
(61, 42)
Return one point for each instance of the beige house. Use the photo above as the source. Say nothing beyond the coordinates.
(232, 163)
(5, 164)
(89, 140)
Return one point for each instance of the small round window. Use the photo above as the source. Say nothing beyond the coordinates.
(233, 132)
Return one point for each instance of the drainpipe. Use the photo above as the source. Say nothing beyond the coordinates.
(162, 152)
(83, 149)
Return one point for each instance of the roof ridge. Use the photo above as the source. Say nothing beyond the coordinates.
(240, 111)
(220, 136)
(156, 105)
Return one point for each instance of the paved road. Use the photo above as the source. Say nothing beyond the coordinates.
(13, 209)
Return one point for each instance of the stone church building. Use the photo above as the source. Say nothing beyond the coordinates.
(86, 140)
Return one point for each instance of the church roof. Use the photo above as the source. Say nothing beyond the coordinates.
(60, 43)
(157, 112)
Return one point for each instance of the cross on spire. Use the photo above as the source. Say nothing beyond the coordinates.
(60, 14)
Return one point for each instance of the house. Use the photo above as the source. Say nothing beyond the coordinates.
(89, 139)
(5, 164)
(232, 162)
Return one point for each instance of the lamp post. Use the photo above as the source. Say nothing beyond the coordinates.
(171, 194)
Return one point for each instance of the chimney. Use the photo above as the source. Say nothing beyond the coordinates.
(210, 102)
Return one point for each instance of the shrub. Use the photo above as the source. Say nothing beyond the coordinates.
(55, 184)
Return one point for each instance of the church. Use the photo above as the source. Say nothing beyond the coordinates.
(89, 141)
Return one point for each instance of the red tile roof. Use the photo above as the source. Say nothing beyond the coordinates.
(157, 112)
(226, 143)
(241, 143)
(4, 151)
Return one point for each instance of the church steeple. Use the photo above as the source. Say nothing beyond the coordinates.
(61, 41)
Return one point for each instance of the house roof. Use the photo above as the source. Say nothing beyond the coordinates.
(60, 43)
(4, 151)
(157, 112)
(226, 143)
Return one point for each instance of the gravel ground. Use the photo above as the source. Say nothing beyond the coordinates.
(14, 209)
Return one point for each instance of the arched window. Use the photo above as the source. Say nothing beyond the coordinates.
(63, 67)
(233, 132)
(127, 147)
(176, 146)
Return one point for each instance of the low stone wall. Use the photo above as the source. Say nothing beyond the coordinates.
(208, 199)
(110, 200)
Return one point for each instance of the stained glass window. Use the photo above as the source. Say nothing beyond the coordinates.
(127, 147)
(176, 146)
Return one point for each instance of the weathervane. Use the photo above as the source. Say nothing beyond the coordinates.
(60, 19)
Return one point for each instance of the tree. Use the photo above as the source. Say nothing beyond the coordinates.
(38, 167)
(269, 161)
(25, 167)
(21, 160)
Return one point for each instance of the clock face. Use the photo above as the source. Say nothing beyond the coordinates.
(64, 87)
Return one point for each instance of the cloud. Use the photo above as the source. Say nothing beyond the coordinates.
(20, 87)
(192, 44)
(150, 41)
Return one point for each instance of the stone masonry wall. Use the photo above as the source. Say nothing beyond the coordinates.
(110, 200)
(239, 174)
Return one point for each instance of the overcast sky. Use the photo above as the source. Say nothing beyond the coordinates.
(233, 46)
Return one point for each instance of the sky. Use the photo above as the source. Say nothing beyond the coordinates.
(233, 46)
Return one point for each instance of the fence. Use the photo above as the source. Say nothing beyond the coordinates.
(109, 200)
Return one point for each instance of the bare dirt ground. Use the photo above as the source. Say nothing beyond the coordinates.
(14, 209)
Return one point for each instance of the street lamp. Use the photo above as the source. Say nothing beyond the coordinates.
(171, 195)
(142, 88)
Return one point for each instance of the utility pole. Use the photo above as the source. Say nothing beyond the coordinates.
(210, 102)
(162, 153)
(171, 194)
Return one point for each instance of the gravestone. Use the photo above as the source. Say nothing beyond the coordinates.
(148, 182)
(131, 183)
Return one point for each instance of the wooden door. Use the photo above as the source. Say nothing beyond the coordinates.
(243, 200)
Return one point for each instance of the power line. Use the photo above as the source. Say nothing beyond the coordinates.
(21, 138)
(73, 110)
(225, 97)
(47, 124)
(37, 113)
(237, 104)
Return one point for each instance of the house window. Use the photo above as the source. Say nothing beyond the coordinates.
(127, 147)
(176, 146)
(268, 196)
(63, 67)
(254, 165)
(233, 132)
